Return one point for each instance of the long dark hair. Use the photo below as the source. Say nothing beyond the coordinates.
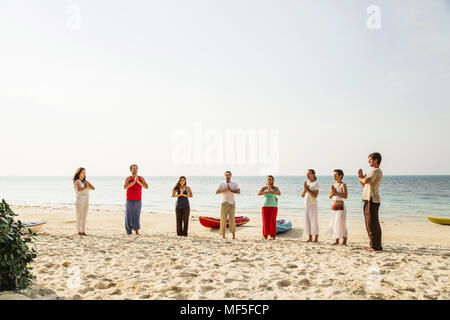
(77, 175)
(314, 173)
(178, 185)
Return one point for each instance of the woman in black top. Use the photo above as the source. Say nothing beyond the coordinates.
(182, 192)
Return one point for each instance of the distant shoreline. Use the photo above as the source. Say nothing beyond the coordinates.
(400, 196)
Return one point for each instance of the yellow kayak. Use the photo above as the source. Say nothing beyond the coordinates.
(439, 220)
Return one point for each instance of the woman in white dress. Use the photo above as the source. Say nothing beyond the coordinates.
(338, 226)
(82, 187)
(310, 193)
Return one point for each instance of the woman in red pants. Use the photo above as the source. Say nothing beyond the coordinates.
(270, 208)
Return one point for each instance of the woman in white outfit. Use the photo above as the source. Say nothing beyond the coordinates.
(310, 193)
(82, 187)
(338, 225)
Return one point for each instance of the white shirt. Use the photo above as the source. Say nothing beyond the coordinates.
(85, 192)
(339, 190)
(228, 196)
(309, 199)
(371, 190)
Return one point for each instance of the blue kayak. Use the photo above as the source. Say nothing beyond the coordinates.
(283, 225)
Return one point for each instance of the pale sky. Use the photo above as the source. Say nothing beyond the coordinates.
(118, 82)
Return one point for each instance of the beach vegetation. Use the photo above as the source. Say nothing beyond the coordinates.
(16, 255)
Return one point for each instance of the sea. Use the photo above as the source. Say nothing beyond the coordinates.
(401, 196)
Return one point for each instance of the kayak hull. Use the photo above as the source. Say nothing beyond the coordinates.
(210, 222)
(34, 226)
(439, 220)
(283, 226)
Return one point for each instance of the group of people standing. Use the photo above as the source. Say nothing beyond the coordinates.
(337, 227)
(338, 193)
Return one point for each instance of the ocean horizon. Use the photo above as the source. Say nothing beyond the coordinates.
(401, 195)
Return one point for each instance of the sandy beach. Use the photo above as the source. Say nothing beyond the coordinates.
(108, 264)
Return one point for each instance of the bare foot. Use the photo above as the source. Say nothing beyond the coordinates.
(369, 249)
(234, 236)
(337, 242)
(309, 240)
(272, 238)
(344, 241)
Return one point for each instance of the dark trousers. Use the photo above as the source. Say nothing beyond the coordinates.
(133, 215)
(182, 220)
(373, 224)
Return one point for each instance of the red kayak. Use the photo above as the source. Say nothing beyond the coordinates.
(210, 222)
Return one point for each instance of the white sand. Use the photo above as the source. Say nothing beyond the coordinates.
(108, 264)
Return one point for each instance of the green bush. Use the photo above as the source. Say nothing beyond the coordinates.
(15, 255)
